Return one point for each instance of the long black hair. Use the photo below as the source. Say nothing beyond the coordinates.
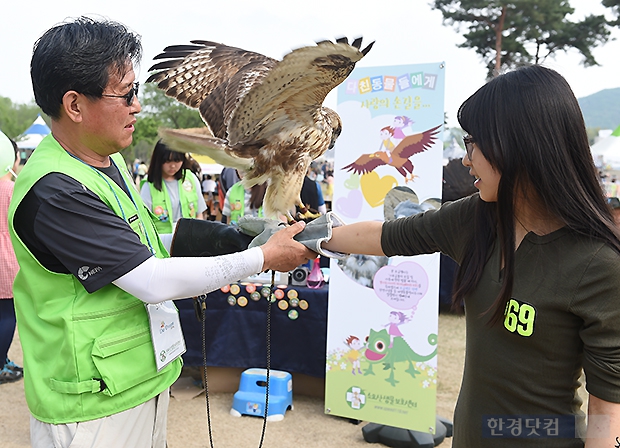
(257, 195)
(161, 154)
(528, 125)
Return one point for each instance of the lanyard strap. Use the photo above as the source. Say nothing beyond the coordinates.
(123, 215)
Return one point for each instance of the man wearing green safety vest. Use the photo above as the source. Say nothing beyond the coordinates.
(101, 338)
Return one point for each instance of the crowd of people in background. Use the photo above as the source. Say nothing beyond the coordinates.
(316, 194)
(215, 187)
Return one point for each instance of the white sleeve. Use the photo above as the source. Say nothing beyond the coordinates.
(159, 279)
(145, 194)
(166, 240)
(202, 205)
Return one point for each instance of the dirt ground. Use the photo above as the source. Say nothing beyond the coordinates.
(306, 425)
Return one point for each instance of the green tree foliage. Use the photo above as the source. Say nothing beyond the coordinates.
(615, 7)
(158, 111)
(16, 118)
(510, 33)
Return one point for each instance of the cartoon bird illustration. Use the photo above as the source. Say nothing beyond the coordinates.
(263, 116)
(398, 157)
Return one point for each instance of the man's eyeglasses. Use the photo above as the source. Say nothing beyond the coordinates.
(468, 140)
(129, 96)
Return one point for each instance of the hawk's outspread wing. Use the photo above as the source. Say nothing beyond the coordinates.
(200, 76)
(268, 112)
(416, 143)
(366, 163)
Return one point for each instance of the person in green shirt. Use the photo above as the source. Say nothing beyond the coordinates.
(538, 279)
(171, 190)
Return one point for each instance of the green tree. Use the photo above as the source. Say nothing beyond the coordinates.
(509, 33)
(168, 111)
(615, 7)
(16, 118)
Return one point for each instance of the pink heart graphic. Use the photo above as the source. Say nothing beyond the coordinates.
(350, 206)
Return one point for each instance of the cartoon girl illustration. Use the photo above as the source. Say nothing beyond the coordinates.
(387, 145)
(396, 319)
(354, 354)
(400, 122)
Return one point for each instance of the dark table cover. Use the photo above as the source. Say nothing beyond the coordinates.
(235, 336)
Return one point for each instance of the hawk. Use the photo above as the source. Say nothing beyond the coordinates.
(398, 157)
(263, 116)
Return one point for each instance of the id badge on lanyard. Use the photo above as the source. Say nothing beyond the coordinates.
(168, 341)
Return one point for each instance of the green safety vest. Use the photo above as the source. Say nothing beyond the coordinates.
(86, 356)
(162, 207)
(236, 198)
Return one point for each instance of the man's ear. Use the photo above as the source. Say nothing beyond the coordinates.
(72, 105)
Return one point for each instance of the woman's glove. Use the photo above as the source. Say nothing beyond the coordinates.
(315, 233)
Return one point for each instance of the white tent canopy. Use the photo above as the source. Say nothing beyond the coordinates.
(207, 164)
(34, 134)
(609, 149)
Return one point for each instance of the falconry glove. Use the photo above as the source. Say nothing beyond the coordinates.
(199, 238)
(314, 234)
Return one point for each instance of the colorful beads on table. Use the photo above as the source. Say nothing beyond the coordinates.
(257, 291)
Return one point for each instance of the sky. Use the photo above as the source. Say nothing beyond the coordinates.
(405, 32)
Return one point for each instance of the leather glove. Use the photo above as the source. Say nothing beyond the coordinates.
(315, 233)
(199, 238)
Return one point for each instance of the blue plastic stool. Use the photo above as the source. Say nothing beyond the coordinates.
(250, 398)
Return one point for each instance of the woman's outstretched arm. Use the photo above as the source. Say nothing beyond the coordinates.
(358, 238)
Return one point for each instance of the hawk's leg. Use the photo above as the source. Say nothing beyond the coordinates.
(289, 219)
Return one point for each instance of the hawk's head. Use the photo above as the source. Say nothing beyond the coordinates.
(335, 123)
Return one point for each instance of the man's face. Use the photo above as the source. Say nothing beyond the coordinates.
(108, 122)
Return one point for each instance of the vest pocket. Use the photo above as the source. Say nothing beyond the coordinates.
(124, 359)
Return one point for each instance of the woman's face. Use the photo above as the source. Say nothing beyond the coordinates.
(170, 168)
(487, 178)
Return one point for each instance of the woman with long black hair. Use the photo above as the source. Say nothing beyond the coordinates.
(539, 275)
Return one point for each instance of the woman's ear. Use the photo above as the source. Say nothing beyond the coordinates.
(72, 105)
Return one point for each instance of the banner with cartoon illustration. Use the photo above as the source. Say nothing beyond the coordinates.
(381, 361)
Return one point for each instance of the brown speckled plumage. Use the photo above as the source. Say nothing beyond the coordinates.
(265, 116)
